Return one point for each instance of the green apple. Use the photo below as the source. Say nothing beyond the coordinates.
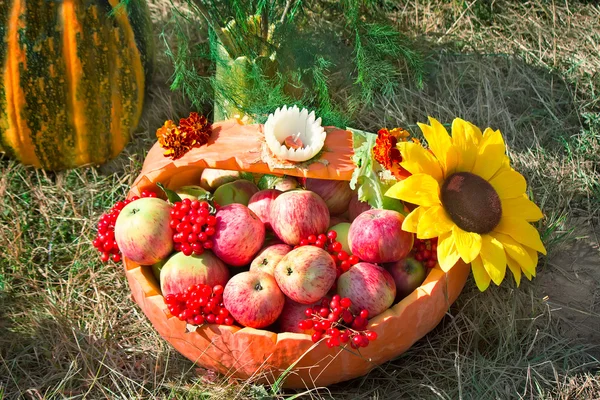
(191, 192)
(157, 267)
(213, 178)
(239, 191)
(342, 234)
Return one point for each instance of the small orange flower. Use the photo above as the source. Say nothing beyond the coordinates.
(387, 154)
(193, 131)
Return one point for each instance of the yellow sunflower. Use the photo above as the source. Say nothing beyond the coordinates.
(472, 200)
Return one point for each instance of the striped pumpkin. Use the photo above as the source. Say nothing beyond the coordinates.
(72, 82)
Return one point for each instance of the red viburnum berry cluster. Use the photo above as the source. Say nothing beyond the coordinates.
(199, 304)
(105, 239)
(334, 319)
(425, 251)
(194, 223)
(343, 260)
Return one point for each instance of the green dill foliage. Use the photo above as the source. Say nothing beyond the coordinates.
(328, 56)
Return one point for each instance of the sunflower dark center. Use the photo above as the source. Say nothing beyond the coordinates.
(471, 202)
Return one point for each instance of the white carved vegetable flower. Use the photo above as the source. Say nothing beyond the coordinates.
(293, 134)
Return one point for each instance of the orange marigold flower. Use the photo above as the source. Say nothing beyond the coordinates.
(387, 154)
(193, 131)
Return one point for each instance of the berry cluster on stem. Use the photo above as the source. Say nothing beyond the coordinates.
(105, 238)
(193, 222)
(425, 251)
(333, 319)
(199, 304)
(342, 259)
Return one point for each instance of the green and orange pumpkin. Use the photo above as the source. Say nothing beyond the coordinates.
(73, 79)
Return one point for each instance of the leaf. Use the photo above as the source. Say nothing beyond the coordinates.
(247, 176)
(171, 195)
(366, 172)
(267, 182)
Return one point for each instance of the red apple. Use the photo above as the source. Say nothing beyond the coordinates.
(336, 194)
(261, 202)
(408, 275)
(268, 258)
(142, 231)
(376, 236)
(239, 192)
(291, 315)
(357, 207)
(239, 234)
(253, 299)
(306, 274)
(297, 214)
(213, 178)
(369, 287)
(181, 272)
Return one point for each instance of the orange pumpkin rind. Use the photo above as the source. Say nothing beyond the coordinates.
(261, 355)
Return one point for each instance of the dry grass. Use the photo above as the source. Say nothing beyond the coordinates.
(68, 328)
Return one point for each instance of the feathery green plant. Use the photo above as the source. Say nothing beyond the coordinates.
(262, 54)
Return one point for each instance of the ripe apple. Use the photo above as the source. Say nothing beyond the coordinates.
(357, 207)
(286, 183)
(306, 274)
(269, 257)
(239, 191)
(181, 272)
(261, 202)
(142, 231)
(297, 214)
(336, 194)
(157, 267)
(369, 287)
(376, 236)
(213, 178)
(281, 183)
(253, 299)
(342, 230)
(408, 275)
(239, 234)
(191, 192)
(291, 315)
(336, 219)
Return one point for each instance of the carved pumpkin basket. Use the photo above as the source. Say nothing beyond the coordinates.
(264, 354)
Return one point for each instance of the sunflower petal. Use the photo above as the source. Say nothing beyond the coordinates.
(490, 156)
(477, 135)
(446, 251)
(534, 257)
(412, 220)
(482, 279)
(466, 142)
(522, 231)
(440, 144)
(521, 207)
(515, 269)
(468, 244)
(494, 258)
(419, 189)
(509, 184)
(433, 223)
(516, 252)
(417, 160)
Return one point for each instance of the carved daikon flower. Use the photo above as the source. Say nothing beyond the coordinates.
(293, 134)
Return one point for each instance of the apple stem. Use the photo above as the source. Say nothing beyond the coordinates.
(258, 287)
